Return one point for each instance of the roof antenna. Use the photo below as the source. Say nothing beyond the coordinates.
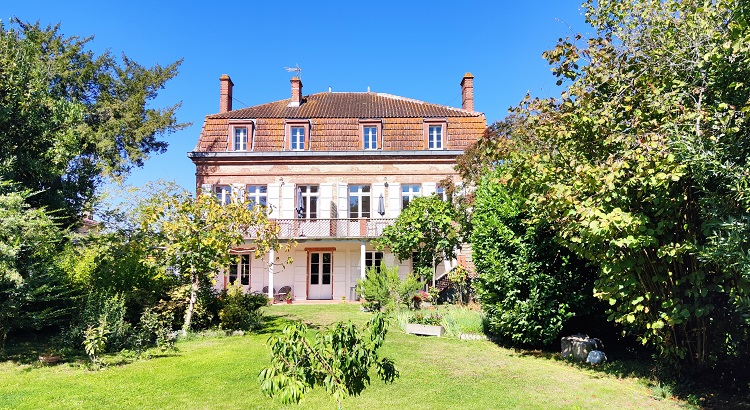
(295, 69)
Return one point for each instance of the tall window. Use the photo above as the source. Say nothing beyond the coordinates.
(258, 195)
(240, 268)
(440, 191)
(240, 138)
(298, 138)
(245, 270)
(408, 193)
(370, 134)
(320, 268)
(223, 194)
(435, 137)
(359, 201)
(373, 259)
(309, 202)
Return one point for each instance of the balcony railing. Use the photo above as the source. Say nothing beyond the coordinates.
(331, 228)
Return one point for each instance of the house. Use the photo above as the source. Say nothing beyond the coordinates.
(334, 169)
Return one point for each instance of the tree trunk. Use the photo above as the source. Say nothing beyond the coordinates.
(191, 305)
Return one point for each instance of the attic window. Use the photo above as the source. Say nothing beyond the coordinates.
(240, 136)
(435, 133)
(370, 132)
(297, 135)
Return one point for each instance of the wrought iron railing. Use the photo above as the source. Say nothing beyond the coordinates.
(331, 228)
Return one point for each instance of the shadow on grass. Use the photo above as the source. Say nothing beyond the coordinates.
(708, 390)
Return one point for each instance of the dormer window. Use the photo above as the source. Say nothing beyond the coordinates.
(435, 137)
(297, 135)
(240, 135)
(240, 138)
(370, 131)
(298, 138)
(434, 130)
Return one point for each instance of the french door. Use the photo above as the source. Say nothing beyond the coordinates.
(320, 282)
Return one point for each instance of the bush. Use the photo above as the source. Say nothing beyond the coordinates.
(529, 285)
(380, 290)
(241, 311)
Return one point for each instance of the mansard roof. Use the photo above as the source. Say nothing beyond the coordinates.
(348, 105)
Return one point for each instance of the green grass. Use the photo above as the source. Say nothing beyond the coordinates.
(221, 372)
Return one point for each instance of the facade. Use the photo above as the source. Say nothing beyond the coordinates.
(333, 169)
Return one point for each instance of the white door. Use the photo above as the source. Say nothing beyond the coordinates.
(320, 285)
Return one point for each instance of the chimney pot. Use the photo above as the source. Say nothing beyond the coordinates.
(225, 94)
(467, 92)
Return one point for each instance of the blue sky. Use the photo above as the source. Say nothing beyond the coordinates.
(414, 49)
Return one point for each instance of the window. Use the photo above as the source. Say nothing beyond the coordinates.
(245, 270)
(240, 135)
(298, 138)
(297, 134)
(435, 137)
(309, 202)
(434, 133)
(373, 260)
(257, 195)
(408, 193)
(320, 268)
(240, 138)
(440, 191)
(223, 194)
(359, 201)
(241, 269)
(371, 137)
(370, 131)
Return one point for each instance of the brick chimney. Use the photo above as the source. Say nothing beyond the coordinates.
(225, 94)
(467, 92)
(296, 92)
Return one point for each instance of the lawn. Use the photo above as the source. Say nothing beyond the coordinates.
(221, 372)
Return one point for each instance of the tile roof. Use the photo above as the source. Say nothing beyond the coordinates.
(348, 105)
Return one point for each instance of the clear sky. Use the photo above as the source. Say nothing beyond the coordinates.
(414, 49)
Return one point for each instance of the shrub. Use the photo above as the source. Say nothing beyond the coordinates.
(241, 311)
(380, 290)
(528, 284)
(157, 328)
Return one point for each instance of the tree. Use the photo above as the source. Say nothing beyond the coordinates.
(428, 228)
(196, 235)
(70, 118)
(641, 167)
(528, 284)
(339, 359)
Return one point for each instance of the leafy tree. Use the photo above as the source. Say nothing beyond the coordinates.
(33, 292)
(339, 359)
(529, 285)
(70, 118)
(428, 227)
(195, 235)
(641, 167)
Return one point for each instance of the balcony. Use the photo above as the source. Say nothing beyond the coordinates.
(341, 228)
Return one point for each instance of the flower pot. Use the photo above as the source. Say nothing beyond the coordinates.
(49, 359)
(288, 301)
(424, 330)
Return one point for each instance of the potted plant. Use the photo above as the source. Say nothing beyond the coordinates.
(49, 356)
(289, 298)
(426, 325)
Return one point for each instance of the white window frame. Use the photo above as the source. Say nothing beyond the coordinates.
(409, 192)
(255, 193)
(295, 144)
(307, 195)
(370, 135)
(373, 259)
(223, 193)
(435, 136)
(240, 144)
(358, 192)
